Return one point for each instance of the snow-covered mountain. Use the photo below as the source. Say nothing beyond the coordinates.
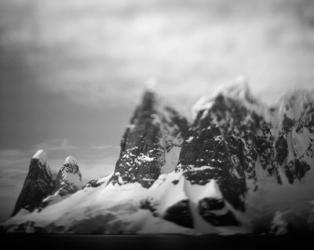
(239, 167)
(38, 184)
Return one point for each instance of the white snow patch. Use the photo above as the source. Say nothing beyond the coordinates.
(172, 158)
(54, 198)
(204, 103)
(70, 160)
(166, 193)
(189, 139)
(145, 158)
(301, 141)
(41, 156)
(202, 168)
(218, 138)
(156, 119)
(74, 179)
(131, 126)
(238, 88)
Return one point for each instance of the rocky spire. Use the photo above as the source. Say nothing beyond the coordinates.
(38, 184)
(153, 131)
(69, 178)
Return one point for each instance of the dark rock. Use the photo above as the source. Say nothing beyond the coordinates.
(38, 184)
(93, 184)
(296, 169)
(281, 149)
(211, 204)
(175, 182)
(180, 214)
(227, 219)
(148, 205)
(287, 124)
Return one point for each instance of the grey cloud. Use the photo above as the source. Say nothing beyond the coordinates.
(104, 52)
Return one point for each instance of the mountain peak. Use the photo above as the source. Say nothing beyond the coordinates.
(41, 156)
(70, 160)
(238, 89)
(70, 167)
(38, 184)
(149, 99)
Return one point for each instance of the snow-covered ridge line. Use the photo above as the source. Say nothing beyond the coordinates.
(237, 89)
(291, 103)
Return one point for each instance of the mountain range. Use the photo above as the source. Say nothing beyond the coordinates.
(239, 166)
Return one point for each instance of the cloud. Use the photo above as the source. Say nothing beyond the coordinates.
(104, 52)
(105, 147)
(55, 145)
(11, 156)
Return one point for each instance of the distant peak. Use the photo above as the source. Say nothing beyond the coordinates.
(41, 156)
(239, 88)
(70, 160)
(236, 89)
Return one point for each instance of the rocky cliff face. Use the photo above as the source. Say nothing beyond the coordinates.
(154, 131)
(69, 178)
(294, 136)
(38, 184)
(68, 181)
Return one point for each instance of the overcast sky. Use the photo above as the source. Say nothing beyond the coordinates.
(71, 72)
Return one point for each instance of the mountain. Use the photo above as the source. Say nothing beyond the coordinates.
(250, 151)
(37, 185)
(240, 166)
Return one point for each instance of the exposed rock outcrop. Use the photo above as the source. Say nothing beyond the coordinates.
(68, 181)
(153, 132)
